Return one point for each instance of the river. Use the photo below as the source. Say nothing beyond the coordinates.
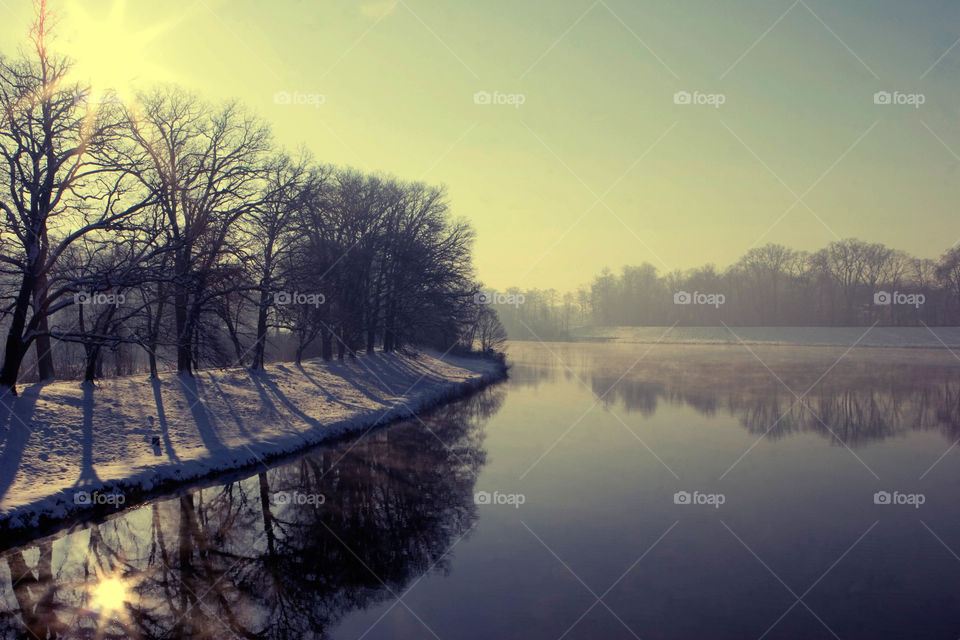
(603, 491)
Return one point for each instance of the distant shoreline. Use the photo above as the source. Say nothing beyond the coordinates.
(875, 337)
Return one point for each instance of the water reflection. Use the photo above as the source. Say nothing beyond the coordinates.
(862, 397)
(282, 554)
(854, 411)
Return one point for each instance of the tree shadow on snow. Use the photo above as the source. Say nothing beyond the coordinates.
(88, 474)
(162, 419)
(16, 413)
(191, 393)
(263, 380)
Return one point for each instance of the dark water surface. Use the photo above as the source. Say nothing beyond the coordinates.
(604, 491)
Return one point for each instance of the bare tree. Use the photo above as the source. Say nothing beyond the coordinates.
(60, 184)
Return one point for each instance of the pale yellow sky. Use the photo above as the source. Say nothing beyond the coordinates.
(599, 165)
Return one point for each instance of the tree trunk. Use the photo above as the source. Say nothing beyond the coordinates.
(16, 348)
(260, 347)
(90, 371)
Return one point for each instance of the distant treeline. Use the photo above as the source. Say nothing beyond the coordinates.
(170, 232)
(847, 283)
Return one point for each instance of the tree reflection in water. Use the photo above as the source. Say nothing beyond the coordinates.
(848, 406)
(262, 557)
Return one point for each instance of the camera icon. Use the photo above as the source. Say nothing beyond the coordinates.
(482, 297)
(81, 297)
(81, 497)
(681, 497)
(682, 297)
(282, 297)
(482, 497)
(281, 497)
(881, 297)
(482, 97)
(881, 497)
(682, 97)
(282, 97)
(882, 97)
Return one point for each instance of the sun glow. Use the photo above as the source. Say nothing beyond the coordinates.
(109, 595)
(107, 53)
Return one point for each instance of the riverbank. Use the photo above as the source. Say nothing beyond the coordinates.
(68, 449)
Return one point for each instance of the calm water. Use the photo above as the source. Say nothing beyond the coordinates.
(576, 461)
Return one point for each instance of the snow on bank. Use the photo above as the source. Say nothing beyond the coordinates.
(68, 447)
(916, 337)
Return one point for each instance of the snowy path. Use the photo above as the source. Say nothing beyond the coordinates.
(64, 445)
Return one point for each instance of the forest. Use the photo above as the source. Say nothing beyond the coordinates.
(849, 282)
(166, 232)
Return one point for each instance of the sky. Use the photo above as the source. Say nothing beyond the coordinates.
(588, 153)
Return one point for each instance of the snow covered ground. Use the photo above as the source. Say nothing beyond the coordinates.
(934, 337)
(68, 447)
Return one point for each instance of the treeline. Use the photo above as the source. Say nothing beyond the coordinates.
(847, 283)
(176, 230)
